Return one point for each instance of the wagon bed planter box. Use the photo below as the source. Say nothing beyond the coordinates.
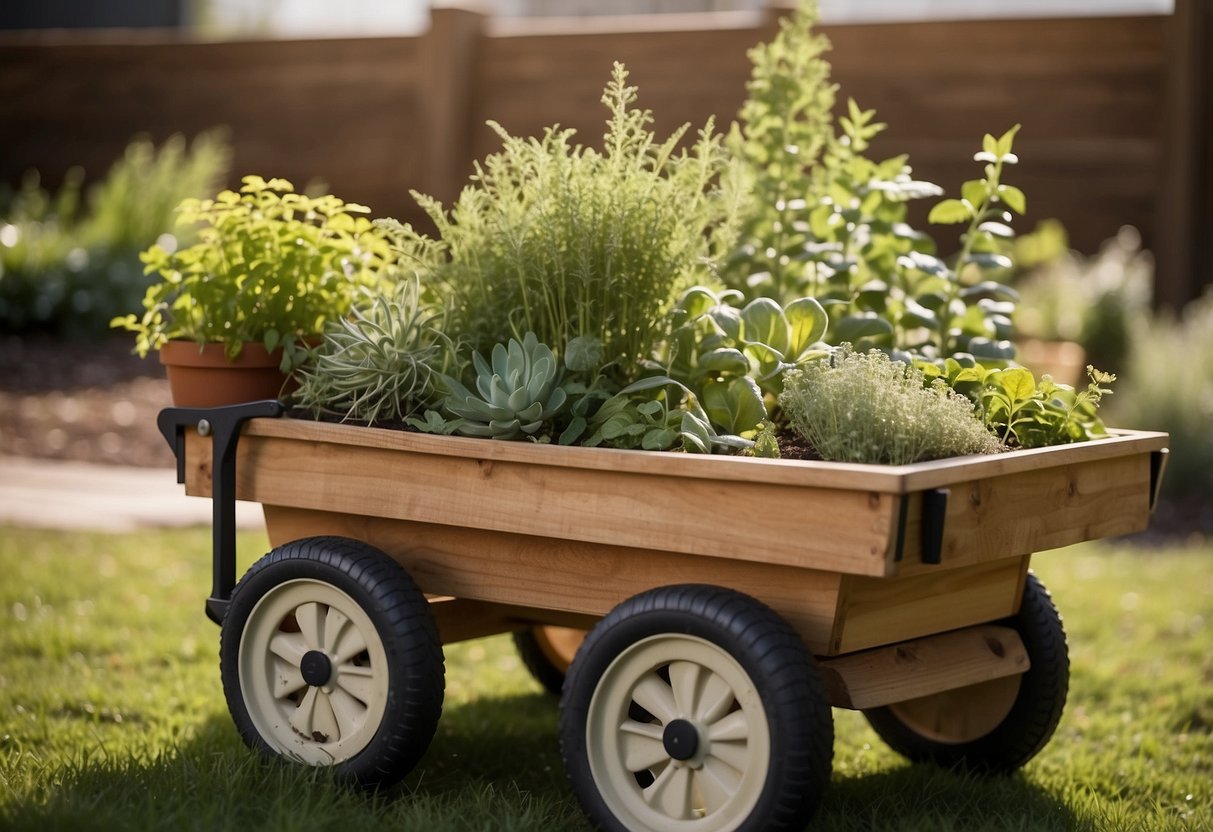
(900, 580)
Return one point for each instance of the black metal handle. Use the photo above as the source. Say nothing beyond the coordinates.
(222, 425)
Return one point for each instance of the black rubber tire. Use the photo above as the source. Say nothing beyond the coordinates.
(401, 619)
(779, 668)
(548, 673)
(1033, 717)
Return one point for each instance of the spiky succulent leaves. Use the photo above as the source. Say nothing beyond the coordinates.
(380, 363)
(517, 392)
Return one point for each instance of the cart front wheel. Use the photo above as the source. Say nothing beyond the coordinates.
(995, 726)
(330, 657)
(697, 708)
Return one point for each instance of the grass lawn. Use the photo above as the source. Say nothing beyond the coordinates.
(112, 716)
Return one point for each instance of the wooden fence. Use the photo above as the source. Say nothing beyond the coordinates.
(1115, 122)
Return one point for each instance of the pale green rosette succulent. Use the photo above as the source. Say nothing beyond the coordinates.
(515, 395)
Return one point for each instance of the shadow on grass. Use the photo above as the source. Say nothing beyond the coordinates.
(494, 765)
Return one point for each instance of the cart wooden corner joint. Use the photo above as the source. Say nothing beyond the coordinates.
(729, 602)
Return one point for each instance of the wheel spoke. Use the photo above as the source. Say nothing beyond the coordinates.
(301, 719)
(715, 700)
(655, 696)
(290, 647)
(357, 681)
(684, 682)
(734, 726)
(287, 679)
(671, 792)
(731, 753)
(348, 712)
(342, 638)
(717, 783)
(642, 745)
(310, 618)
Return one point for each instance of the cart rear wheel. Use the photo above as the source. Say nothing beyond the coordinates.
(697, 708)
(547, 653)
(995, 726)
(330, 657)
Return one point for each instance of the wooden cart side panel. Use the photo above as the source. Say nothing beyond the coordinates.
(826, 529)
(566, 576)
(875, 612)
(1033, 511)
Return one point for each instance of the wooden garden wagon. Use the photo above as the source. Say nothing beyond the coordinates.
(730, 602)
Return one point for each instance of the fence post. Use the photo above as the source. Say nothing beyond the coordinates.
(1185, 200)
(448, 71)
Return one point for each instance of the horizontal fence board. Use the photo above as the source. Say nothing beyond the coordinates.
(375, 117)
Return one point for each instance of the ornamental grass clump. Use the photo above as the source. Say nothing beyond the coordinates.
(576, 244)
(863, 407)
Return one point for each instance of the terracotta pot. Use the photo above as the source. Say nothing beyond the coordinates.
(202, 376)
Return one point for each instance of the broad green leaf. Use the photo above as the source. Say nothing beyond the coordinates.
(1004, 143)
(950, 212)
(1013, 197)
(735, 405)
(583, 354)
(854, 327)
(724, 360)
(808, 321)
(974, 191)
(763, 321)
(658, 439)
(989, 289)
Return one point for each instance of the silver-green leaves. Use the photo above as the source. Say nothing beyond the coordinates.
(516, 393)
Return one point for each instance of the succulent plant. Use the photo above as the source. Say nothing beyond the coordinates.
(379, 364)
(515, 394)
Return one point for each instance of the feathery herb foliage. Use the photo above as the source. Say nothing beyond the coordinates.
(569, 242)
(863, 407)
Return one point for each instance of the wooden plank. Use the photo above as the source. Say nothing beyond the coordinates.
(875, 612)
(922, 667)
(543, 574)
(448, 66)
(460, 619)
(849, 531)
(1032, 511)
(891, 479)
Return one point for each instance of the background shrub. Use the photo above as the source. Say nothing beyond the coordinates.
(69, 261)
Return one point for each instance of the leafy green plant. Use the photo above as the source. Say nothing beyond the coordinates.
(827, 222)
(269, 266)
(733, 356)
(585, 248)
(516, 395)
(658, 414)
(1024, 412)
(380, 363)
(863, 407)
(69, 260)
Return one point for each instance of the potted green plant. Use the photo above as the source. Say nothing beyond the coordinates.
(269, 268)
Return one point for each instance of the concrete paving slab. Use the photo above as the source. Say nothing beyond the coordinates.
(51, 494)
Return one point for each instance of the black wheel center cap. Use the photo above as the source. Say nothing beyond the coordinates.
(681, 739)
(316, 668)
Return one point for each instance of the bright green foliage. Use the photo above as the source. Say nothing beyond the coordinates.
(1025, 413)
(827, 222)
(785, 125)
(657, 414)
(270, 265)
(574, 243)
(380, 363)
(516, 395)
(863, 407)
(733, 356)
(68, 261)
